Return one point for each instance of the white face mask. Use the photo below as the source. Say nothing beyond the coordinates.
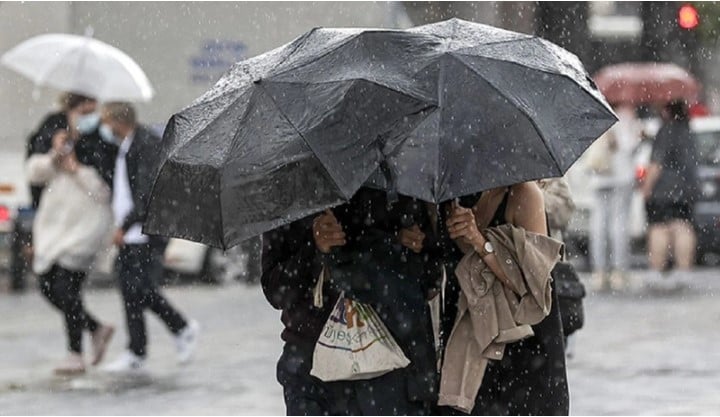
(86, 123)
(107, 134)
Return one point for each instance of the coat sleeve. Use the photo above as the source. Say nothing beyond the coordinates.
(92, 182)
(41, 168)
(142, 180)
(290, 265)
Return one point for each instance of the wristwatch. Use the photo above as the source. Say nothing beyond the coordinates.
(487, 249)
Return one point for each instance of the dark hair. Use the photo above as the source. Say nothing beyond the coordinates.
(678, 110)
(70, 101)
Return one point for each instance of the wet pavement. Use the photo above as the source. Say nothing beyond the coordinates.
(638, 355)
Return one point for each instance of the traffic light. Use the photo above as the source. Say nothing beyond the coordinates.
(688, 17)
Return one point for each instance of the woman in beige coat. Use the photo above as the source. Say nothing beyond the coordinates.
(530, 379)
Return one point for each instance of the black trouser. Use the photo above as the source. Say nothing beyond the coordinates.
(62, 288)
(136, 265)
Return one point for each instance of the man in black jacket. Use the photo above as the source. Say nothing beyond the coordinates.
(135, 169)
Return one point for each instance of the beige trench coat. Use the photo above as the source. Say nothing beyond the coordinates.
(491, 314)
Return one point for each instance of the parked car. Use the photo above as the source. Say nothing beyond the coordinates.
(706, 132)
(15, 219)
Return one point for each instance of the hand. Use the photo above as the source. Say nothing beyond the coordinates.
(327, 232)
(462, 225)
(119, 238)
(645, 191)
(412, 238)
(61, 144)
(69, 163)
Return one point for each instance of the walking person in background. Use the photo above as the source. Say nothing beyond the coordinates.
(72, 221)
(611, 160)
(670, 190)
(559, 208)
(132, 180)
(78, 113)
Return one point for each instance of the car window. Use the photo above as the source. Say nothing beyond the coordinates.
(708, 146)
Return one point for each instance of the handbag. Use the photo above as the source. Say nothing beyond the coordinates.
(570, 291)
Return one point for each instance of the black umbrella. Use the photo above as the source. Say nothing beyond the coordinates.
(511, 108)
(449, 109)
(284, 135)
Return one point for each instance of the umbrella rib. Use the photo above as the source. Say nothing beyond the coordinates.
(460, 54)
(328, 52)
(299, 134)
(519, 107)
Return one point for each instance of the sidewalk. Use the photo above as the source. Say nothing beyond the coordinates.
(637, 355)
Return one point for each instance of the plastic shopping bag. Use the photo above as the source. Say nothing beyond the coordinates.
(355, 344)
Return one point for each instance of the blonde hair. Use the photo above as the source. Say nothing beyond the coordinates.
(121, 112)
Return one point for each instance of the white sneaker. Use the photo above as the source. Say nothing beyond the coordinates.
(185, 342)
(128, 361)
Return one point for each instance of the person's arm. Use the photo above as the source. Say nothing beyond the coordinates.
(92, 183)
(141, 183)
(526, 209)
(290, 265)
(41, 168)
(659, 152)
(651, 177)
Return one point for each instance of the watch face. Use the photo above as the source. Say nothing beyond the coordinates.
(489, 247)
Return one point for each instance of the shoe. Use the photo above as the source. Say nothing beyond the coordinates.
(128, 361)
(73, 364)
(185, 342)
(100, 341)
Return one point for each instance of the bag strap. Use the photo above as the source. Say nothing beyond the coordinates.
(318, 289)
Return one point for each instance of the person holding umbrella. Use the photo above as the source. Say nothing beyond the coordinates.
(134, 171)
(72, 221)
(294, 256)
(530, 379)
(77, 112)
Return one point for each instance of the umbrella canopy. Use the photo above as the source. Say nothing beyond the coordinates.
(434, 112)
(79, 64)
(511, 108)
(283, 135)
(647, 83)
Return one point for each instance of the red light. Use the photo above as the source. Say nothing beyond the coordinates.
(4, 214)
(688, 17)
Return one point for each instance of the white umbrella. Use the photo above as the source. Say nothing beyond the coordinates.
(81, 65)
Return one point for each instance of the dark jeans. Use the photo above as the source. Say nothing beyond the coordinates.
(62, 288)
(136, 267)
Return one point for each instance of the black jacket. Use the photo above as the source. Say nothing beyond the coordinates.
(40, 142)
(142, 164)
